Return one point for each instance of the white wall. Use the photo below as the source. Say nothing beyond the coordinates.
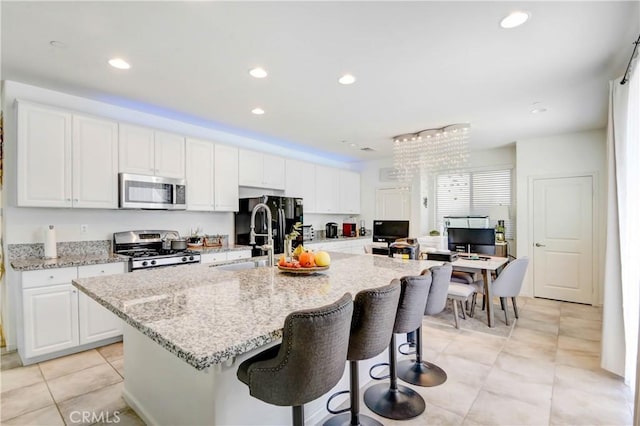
(560, 155)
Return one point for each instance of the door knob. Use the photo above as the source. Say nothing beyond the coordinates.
(540, 245)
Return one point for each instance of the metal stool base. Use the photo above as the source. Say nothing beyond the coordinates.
(421, 373)
(345, 420)
(397, 404)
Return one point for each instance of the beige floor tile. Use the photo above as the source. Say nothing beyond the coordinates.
(493, 409)
(87, 380)
(534, 315)
(19, 377)
(534, 337)
(463, 370)
(48, 416)
(599, 382)
(473, 351)
(518, 386)
(118, 364)
(578, 359)
(525, 350)
(453, 396)
(550, 312)
(70, 364)
(585, 324)
(432, 415)
(111, 352)
(10, 360)
(127, 417)
(539, 301)
(576, 344)
(580, 333)
(23, 400)
(572, 406)
(576, 310)
(541, 370)
(103, 402)
(542, 326)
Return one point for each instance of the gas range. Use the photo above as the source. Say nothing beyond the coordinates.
(145, 249)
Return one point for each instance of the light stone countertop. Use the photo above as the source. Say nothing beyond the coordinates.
(37, 263)
(206, 316)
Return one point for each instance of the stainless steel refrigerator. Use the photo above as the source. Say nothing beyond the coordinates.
(285, 213)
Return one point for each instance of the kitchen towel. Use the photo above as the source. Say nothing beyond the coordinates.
(50, 243)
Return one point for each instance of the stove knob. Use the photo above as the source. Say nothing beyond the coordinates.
(153, 262)
(145, 263)
(184, 259)
(190, 257)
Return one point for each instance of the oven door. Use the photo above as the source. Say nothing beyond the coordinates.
(151, 192)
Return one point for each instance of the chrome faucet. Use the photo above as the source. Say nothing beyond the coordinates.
(269, 234)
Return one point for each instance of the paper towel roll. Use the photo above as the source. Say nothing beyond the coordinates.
(50, 243)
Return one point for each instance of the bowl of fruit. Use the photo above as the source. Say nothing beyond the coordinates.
(307, 262)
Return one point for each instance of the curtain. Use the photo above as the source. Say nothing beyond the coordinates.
(621, 308)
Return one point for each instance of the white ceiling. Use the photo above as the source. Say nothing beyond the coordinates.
(418, 65)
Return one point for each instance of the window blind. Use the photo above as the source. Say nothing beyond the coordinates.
(474, 193)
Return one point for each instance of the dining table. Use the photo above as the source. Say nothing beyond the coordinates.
(485, 265)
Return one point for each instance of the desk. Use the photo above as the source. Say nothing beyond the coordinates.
(486, 267)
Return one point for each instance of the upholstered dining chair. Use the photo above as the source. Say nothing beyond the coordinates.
(507, 285)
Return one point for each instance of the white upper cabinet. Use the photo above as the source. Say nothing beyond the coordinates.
(200, 184)
(212, 176)
(226, 178)
(44, 156)
(260, 170)
(349, 192)
(148, 152)
(65, 159)
(95, 162)
(327, 187)
(300, 182)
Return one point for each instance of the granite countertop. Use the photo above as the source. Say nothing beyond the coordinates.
(331, 240)
(205, 315)
(36, 263)
(230, 247)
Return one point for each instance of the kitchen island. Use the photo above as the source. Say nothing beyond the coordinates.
(188, 328)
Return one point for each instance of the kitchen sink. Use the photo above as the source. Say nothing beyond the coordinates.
(240, 266)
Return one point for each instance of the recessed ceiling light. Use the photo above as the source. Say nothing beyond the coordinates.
(119, 63)
(56, 43)
(514, 19)
(538, 110)
(257, 111)
(347, 79)
(258, 72)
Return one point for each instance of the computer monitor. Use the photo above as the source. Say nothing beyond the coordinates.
(472, 239)
(387, 231)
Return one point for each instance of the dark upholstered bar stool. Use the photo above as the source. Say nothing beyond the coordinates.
(417, 371)
(374, 313)
(394, 401)
(309, 361)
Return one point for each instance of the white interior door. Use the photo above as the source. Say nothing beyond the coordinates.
(563, 239)
(393, 204)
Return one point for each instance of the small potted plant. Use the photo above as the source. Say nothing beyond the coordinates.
(195, 238)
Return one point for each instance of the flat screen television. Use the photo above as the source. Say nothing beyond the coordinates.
(476, 240)
(387, 231)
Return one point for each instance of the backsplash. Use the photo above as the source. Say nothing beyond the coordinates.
(65, 248)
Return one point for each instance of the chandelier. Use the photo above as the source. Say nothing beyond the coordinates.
(431, 150)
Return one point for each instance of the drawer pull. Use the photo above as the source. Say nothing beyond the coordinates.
(50, 277)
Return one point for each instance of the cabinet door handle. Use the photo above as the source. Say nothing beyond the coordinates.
(74, 291)
(50, 277)
(540, 245)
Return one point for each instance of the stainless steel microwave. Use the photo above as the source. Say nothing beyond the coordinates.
(151, 192)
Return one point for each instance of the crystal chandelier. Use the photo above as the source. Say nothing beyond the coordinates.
(431, 150)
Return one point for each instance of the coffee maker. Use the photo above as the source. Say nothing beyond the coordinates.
(363, 230)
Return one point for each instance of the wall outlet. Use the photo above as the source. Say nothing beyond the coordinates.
(84, 228)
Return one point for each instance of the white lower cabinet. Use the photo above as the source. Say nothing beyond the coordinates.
(354, 246)
(50, 319)
(57, 316)
(227, 255)
(97, 322)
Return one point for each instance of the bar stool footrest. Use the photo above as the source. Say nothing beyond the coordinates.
(344, 410)
(380, 364)
(410, 345)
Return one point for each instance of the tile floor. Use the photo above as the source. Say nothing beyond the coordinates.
(546, 372)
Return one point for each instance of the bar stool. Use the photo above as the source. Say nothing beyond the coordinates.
(374, 313)
(417, 371)
(395, 401)
(309, 361)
